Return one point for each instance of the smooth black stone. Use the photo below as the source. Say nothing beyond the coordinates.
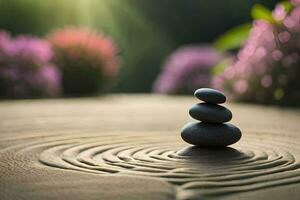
(212, 113)
(210, 135)
(210, 95)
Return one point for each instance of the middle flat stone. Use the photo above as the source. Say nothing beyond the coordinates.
(212, 113)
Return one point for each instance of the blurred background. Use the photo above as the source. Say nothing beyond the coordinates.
(249, 49)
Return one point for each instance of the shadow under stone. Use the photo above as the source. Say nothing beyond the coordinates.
(226, 155)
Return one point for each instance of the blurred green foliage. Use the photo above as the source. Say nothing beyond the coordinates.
(233, 38)
(145, 30)
(261, 12)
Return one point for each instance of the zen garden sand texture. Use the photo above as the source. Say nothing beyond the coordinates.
(129, 147)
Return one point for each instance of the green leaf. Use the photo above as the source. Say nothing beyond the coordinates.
(278, 94)
(261, 12)
(219, 68)
(233, 38)
(287, 6)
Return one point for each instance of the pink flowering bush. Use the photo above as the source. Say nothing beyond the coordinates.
(26, 70)
(88, 59)
(267, 67)
(187, 69)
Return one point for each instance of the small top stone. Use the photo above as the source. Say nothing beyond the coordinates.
(210, 95)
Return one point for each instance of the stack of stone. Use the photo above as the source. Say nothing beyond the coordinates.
(212, 131)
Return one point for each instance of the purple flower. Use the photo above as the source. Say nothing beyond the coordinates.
(267, 63)
(295, 2)
(25, 67)
(187, 69)
(33, 50)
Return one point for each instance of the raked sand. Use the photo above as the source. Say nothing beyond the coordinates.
(129, 147)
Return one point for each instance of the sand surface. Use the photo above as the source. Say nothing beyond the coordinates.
(129, 147)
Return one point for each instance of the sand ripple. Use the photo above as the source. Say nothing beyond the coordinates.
(194, 172)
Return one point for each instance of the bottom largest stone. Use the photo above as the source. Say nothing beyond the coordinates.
(210, 134)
